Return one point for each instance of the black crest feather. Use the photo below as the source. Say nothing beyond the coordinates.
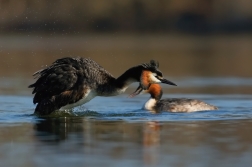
(152, 65)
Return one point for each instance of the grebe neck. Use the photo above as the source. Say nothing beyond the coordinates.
(150, 104)
(156, 94)
(117, 86)
(131, 75)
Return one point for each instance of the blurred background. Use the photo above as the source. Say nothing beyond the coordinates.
(205, 46)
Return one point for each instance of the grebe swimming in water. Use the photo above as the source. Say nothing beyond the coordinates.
(71, 82)
(155, 104)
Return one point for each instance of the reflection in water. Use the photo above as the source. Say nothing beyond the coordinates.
(97, 142)
(57, 129)
(151, 143)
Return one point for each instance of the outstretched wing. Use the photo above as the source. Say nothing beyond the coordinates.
(61, 76)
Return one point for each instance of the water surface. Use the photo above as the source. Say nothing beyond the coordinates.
(115, 131)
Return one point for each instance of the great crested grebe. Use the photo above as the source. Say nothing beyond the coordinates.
(155, 104)
(70, 82)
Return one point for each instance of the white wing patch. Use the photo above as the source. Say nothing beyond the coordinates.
(88, 96)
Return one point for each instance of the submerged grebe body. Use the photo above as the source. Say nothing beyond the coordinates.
(71, 82)
(155, 104)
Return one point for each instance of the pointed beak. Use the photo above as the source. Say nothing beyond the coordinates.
(163, 80)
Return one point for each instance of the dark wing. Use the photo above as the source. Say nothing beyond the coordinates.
(61, 76)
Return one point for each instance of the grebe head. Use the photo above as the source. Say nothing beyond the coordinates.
(151, 74)
(146, 74)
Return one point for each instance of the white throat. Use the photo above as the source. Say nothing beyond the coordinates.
(150, 104)
(153, 79)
